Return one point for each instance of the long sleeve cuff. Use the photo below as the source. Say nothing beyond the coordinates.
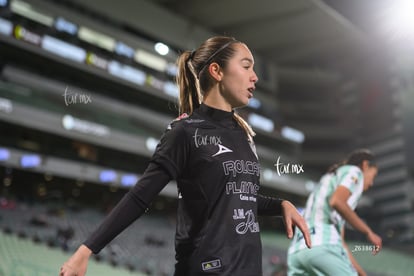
(269, 206)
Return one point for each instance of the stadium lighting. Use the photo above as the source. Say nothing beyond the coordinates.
(254, 103)
(26, 10)
(151, 143)
(129, 180)
(107, 176)
(152, 61)
(64, 25)
(400, 19)
(30, 161)
(293, 134)
(261, 122)
(161, 48)
(4, 154)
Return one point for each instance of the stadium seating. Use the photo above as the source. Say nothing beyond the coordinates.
(37, 238)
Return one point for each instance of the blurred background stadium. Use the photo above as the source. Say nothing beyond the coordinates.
(87, 88)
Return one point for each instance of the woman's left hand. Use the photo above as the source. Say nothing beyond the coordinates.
(292, 218)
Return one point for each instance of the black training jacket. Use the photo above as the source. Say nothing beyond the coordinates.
(217, 174)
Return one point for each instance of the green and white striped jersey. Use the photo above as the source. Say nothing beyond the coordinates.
(324, 222)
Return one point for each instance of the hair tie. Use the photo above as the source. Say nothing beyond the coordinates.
(191, 55)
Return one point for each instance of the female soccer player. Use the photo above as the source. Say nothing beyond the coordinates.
(209, 151)
(327, 209)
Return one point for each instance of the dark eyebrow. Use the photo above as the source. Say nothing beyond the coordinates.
(248, 59)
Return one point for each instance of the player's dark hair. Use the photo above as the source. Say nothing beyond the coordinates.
(356, 158)
(360, 155)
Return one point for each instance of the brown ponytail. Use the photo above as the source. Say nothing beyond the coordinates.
(190, 97)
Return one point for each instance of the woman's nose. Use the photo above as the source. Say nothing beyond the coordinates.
(255, 78)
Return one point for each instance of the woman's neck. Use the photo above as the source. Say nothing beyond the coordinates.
(215, 100)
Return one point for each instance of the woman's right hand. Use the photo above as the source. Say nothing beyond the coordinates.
(77, 264)
(375, 240)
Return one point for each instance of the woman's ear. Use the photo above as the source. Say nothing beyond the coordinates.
(215, 71)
